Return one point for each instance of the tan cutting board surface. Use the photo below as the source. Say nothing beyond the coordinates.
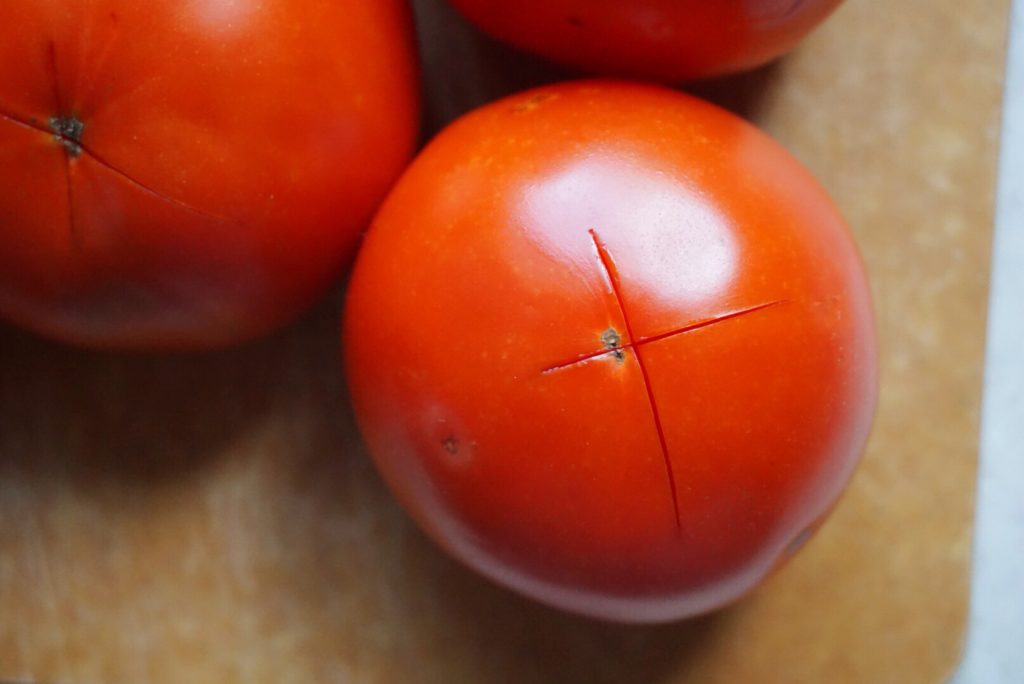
(213, 518)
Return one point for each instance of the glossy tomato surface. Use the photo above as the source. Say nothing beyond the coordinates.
(612, 347)
(181, 173)
(669, 40)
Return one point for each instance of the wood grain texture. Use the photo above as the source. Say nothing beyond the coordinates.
(213, 518)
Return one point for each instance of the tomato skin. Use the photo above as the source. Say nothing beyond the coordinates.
(511, 254)
(230, 153)
(666, 40)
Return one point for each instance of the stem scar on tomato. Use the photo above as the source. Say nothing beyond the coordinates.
(612, 341)
(68, 130)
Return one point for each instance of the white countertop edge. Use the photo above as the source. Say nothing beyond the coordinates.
(994, 652)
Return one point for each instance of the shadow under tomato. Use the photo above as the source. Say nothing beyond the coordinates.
(463, 69)
(132, 421)
(747, 94)
(139, 494)
(520, 640)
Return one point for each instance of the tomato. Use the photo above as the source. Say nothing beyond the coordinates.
(670, 40)
(187, 173)
(612, 347)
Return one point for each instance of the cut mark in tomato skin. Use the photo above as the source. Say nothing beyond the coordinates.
(615, 347)
(68, 131)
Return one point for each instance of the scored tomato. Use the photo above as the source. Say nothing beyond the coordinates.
(184, 173)
(612, 347)
(669, 40)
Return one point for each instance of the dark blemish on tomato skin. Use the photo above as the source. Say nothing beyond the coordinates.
(575, 21)
(451, 445)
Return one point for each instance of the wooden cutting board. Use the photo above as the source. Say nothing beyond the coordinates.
(214, 518)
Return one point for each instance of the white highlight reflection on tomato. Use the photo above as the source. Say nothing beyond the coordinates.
(687, 252)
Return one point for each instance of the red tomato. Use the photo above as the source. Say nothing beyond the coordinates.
(179, 173)
(612, 347)
(670, 40)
